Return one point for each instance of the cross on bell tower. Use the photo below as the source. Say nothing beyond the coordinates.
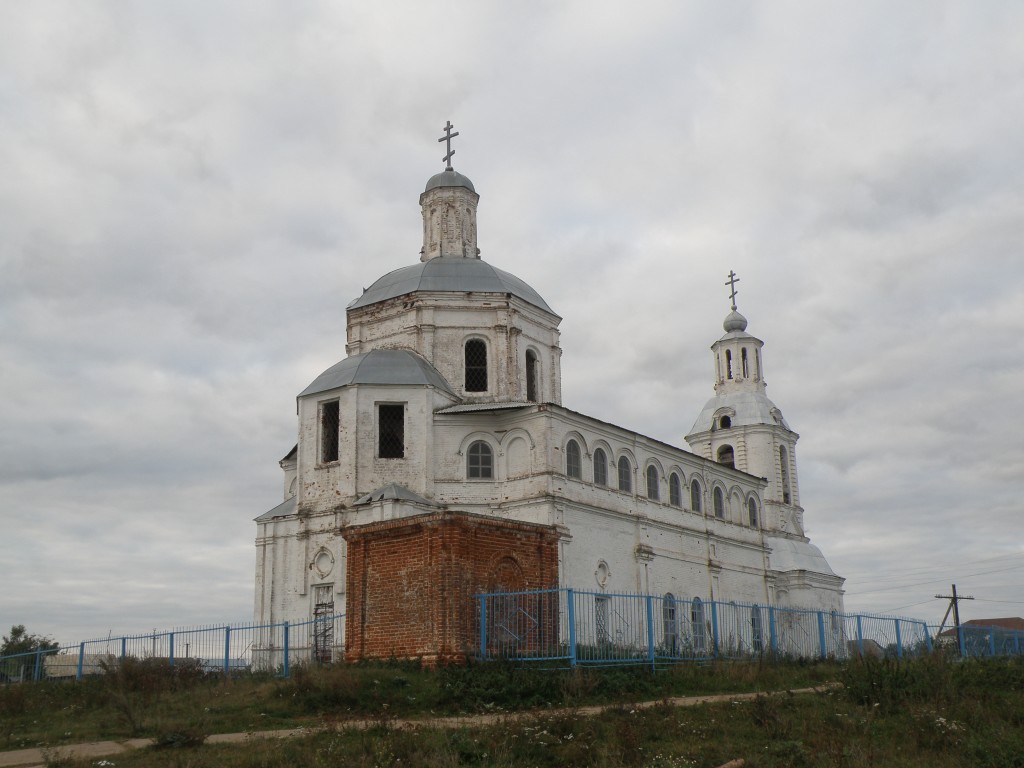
(447, 139)
(731, 282)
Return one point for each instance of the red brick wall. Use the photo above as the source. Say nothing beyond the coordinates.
(411, 582)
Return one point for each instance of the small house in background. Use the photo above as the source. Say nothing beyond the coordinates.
(983, 637)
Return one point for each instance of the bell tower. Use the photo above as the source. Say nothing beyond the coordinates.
(740, 427)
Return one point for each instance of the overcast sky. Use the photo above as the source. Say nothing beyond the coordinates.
(191, 192)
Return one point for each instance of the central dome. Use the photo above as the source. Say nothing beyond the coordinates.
(449, 178)
(454, 275)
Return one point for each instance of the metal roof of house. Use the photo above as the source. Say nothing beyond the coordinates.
(284, 509)
(795, 555)
(379, 366)
(449, 274)
(395, 492)
(750, 408)
(472, 407)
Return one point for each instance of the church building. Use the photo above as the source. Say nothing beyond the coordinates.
(436, 460)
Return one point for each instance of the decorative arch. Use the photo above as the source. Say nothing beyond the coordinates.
(718, 501)
(696, 496)
(735, 507)
(753, 512)
(517, 457)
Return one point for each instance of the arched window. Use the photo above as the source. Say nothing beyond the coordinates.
(719, 504)
(695, 504)
(756, 634)
(600, 467)
(675, 490)
(573, 462)
(726, 455)
(752, 512)
(652, 483)
(728, 363)
(668, 618)
(697, 624)
(532, 370)
(480, 461)
(784, 462)
(725, 422)
(476, 366)
(625, 475)
(743, 363)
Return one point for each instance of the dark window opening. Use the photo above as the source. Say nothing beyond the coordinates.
(668, 618)
(752, 510)
(476, 366)
(573, 463)
(391, 431)
(719, 504)
(725, 422)
(600, 467)
(625, 472)
(695, 496)
(531, 376)
(726, 456)
(784, 462)
(329, 412)
(743, 360)
(697, 624)
(652, 483)
(675, 491)
(756, 633)
(480, 461)
(728, 363)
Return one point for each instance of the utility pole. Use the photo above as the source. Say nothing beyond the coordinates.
(954, 606)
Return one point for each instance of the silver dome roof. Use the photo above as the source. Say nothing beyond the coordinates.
(750, 408)
(379, 366)
(449, 178)
(449, 274)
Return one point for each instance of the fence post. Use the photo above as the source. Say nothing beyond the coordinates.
(860, 635)
(37, 674)
(899, 640)
(960, 638)
(227, 648)
(927, 636)
(714, 629)
(650, 631)
(772, 630)
(287, 639)
(483, 626)
(124, 646)
(81, 659)
(821, 635)
(170, 645)
(571, 605)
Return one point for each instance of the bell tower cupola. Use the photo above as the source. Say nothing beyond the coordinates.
(742, 428)
(449, 211)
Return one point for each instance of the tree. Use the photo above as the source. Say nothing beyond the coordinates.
(20, 641)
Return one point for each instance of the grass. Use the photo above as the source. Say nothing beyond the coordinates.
(927, 712)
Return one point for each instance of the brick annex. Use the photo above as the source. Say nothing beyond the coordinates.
(436, 461)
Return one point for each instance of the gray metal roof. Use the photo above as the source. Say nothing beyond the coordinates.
(794, 555)
(473, 407)
(750, 408)
(379, 366)
(449, 274)
(449, 178)
(395, 492)
(284, 509)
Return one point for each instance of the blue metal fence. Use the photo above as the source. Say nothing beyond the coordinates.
(223, 648)
(580, 627)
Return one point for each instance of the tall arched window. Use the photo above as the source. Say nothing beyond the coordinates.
(726, 455)
(600, 467)
(728, 363)
(743, 363)
(668, 618)
(752, 512)
(784, 463)
(719, 498)
(652, 483)
(573, 461)
(480, 461)
(697, 624)
(675, 490)
(695, 494)
(625, 475)
(532, 371)
(476, 366)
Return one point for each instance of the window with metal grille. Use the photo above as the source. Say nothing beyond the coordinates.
(391, 431)
(652, 483)
(329, 431)
(675, 491)
(531, 376)
(697, 624)
(668, 617)
(600, 467)
(573, 463)
(480, 461)
(601, 619)
(625, 475)
(719, 504)
(476, 366)
(695, 496)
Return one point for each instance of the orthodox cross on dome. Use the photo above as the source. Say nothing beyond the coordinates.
(731, 282)
(447, 139)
